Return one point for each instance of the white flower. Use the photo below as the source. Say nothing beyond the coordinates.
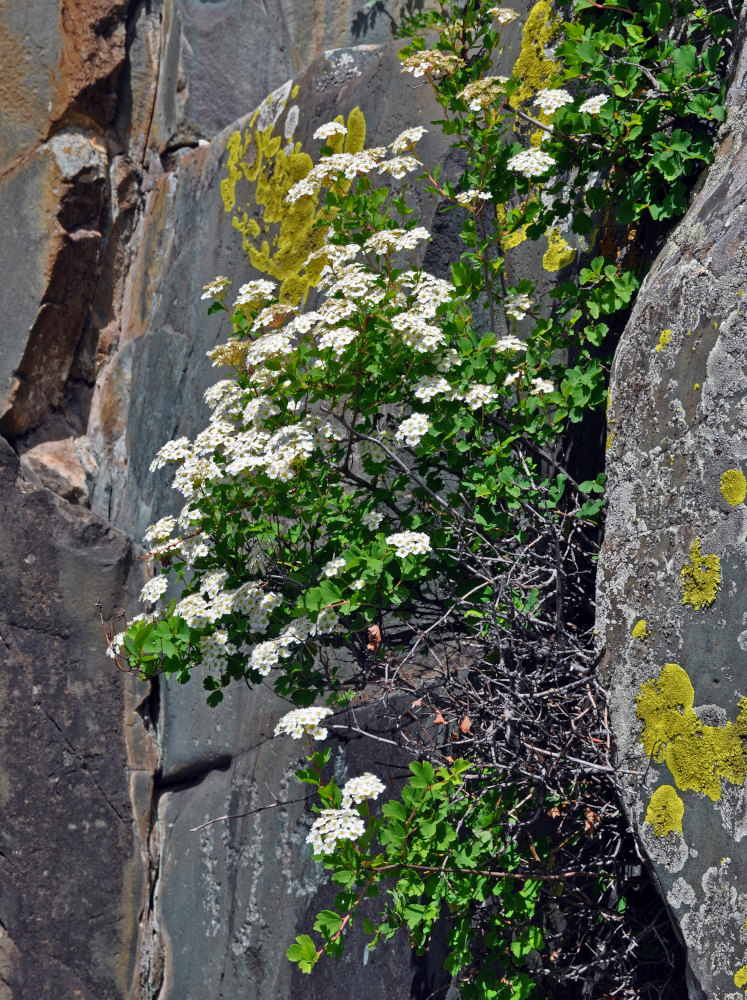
(372, 519)
(326, 622)
(161, 530)
(509, 343)
(396, 239)
(431, 61)
(550, 100)
(215, 288)
(398, 166)
(478, 395)
(255, 291)
(409, 543)
(335, 566)
(337, 339)
(531, 162)
(405, 140)
(358, 585)
(482, 93)
(541, 386)
(330, 129)
(304, 720)
(517, 305)
(154, 589)
(467, 197)
(366, 786)
(333, 825)
(428, 386)
(510, 379)
(593, 105)
(173, 451)
(411, 431)
(503, 14)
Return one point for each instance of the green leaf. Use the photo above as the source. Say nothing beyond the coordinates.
(303, 952)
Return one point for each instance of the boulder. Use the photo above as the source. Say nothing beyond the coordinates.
(672, 577)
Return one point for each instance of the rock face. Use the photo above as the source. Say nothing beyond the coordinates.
(673, 592)
(73, 880)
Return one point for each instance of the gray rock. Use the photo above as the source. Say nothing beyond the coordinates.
(674, 557)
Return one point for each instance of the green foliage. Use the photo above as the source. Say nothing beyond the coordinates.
(382, 477)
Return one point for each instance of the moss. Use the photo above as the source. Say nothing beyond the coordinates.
(701, 578)
(558, 254)
(665, 339)
(740, 977)
(288, 232)
(640, 630)
(699, 757)
(665, 811)
(533, 68)
(734, 487)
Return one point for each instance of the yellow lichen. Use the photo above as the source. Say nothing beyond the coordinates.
(665, 811)
(665, 339)
(558, 254)
(740, 977)
(609, 442)
(696, 386)
(294, 92)
(289, 232)
(508, 240)
(734, 487)
(640, 630)
(701, 578)
(699, 757)
(533, 67)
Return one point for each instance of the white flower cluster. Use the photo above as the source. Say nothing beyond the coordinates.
(335, 566)
(173, 451)
(593, 105)
(407, 139)
(478, 395)
(432, 62)
(215, 288)
(330, 129)
(337, 339)
(541, 386)
(428, 386)
(215, 650)
(409, 543)
(332, 825)
(333, 168)
(254, 292)
(392, 240)
(372, 519)
(154, 589)
(503, 15)
(531, 162)
(480, 94)
(357, 790)
(517, 305)
(505, 345)
(412, 430)
(467, 197)
(398, 166)
(304, 720)
(550, 100)
(161, 531)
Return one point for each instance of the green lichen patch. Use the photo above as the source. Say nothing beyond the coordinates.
(699, 757)
(281, 242)
(665, 339)
(701, 578)
(533, 68)
(559, 254)
(640, 630)
(734, 487)
(665, 811)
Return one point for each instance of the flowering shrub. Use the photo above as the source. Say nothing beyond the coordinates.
(383, 475)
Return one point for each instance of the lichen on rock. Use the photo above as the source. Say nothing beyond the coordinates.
(665, 811)
(701, 578)
(699, 757)
(733, 487)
